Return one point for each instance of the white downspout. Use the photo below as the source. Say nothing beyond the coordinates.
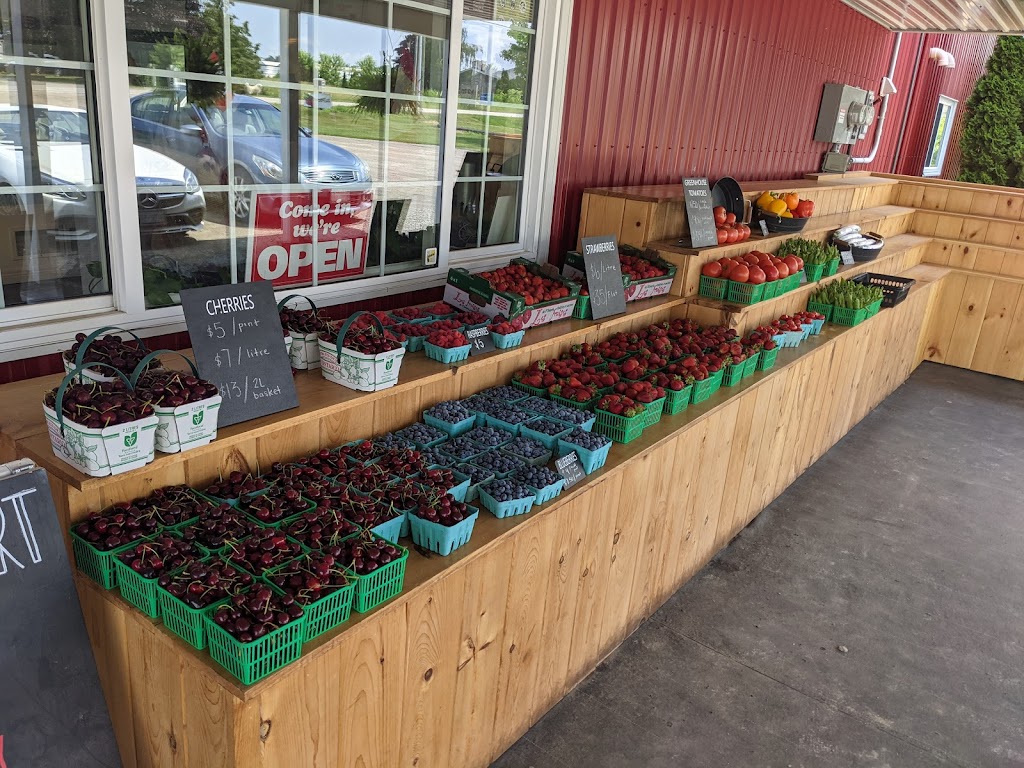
(885, 106)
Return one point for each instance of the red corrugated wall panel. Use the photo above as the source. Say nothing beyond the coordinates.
(658, 89)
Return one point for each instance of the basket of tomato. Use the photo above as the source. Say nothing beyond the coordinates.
(783, 212)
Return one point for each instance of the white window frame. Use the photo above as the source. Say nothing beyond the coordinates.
(46, 328)
(936, 170)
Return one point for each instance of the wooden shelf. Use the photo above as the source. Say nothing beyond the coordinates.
(654, 193)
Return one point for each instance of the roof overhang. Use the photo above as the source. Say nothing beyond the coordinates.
(992, 16)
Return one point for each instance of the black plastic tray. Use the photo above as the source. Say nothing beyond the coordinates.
(894, 288)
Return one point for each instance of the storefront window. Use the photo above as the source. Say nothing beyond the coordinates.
(52, 231)
(494, 96)
(942, 128)
(287, 143)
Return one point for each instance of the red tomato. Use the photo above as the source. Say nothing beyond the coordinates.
(791, 262)
(757, 276)
(771, 273)
(723, 236)
(745, 230)
(712, 269)
(799, 261)
(730, 218)
(721, 217)
(783, 270)
(740, 273)
(733, 235)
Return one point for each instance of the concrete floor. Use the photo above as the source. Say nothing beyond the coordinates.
(872, 616)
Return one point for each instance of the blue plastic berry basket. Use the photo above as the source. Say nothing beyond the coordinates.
(497, 475)
(816, 326)
(445, 355)
(459, 490)
(391, 530)
(587, 426)
(507, 340)
(503, 509)
(793, 338)
(442, 539)
(494, 421)
(807, 328)
(591, 460)
(550, 441)
(453, 430)
(544, 495)
(418, 445)
(539, 461)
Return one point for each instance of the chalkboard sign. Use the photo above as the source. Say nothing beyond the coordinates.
(481, 341)
(238, 344)
(571, 470)
(52, 710)
(604, 276)
(700, 213)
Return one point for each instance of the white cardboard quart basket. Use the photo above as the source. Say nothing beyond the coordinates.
(185, 426)
(303, 349)
(355, 370)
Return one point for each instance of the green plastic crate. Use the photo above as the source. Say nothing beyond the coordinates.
(381, 585)
(250, 662)
(677, 402)
(745, 293)
(653, 411)
(713, 287)
(187, 623)
(578, 406)
(619, 428)
(821, 309)
(139, 591)
(328, 612)
(702, 390)
(751, 365)
(874, 308)
(849, 317)
(814, 272)
(771, 290)
(734, 374)
(582, 309)
(537, 391)
(767, 360)
(97, 565)
(832, 267)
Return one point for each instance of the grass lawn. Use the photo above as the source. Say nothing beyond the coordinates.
(353, 123)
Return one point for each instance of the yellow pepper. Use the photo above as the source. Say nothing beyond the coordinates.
(764, 201)
(778, 207)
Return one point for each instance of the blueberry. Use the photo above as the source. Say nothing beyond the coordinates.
(450, 412)
(536, 477)
(591, 441)
(506, 393)
(489, 437)
(475, 474)
(434, 458)
(461, 448)
(507, 490)
(421, 434)
(498, 462)
(546, 427)
(510, 415)
(526, 447)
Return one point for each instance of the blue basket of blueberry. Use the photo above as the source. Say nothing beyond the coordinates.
(532, 451)
(508, 418)
(489, 437)
(544, 483)
(507, 498)
(545, 430)
(423, 436)
(591, 447)
(499, 463)
(461, 448)
(505, 393)
(585, 420)
(477, 477)
(443, 526)
(451, 417)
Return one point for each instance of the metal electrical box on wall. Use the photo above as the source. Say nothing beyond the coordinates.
(846, 114)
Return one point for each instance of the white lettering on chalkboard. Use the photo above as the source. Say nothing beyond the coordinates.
(21, 512)
(228, 304)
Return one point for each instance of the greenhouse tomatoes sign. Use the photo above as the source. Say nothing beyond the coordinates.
(295, 236)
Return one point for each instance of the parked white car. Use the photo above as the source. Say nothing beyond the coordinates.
(169, 196)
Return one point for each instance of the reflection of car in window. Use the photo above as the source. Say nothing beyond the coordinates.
(170, 199)
(196, 136)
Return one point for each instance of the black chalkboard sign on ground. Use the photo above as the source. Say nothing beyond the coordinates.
(52, 710)
(604, 276)
(700, 213)
(238, 345)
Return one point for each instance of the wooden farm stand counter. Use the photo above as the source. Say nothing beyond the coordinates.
(480, 644)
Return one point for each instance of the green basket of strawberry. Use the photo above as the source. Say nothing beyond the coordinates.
(767, 360)
(186, 596)
(572, 402)
(377, 566)
(620, 418)
(733, 374)
(245, 644)
(703, 390)
(140, 566)
(751, 364)
(653, 412)
(582, 309)
(677, 401)
(535, 391)
(323, 589)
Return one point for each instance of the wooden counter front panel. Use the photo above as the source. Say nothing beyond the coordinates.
(457, 672)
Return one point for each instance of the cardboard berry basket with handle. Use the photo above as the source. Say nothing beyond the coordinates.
(180, 428)
(99, 452)
(77, 360)
(358, 370)
(303, 348)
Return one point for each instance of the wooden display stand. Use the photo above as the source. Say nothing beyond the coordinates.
(480, 644)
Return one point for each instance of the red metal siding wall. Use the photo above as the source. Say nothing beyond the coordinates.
(661, 88)
(971, 53)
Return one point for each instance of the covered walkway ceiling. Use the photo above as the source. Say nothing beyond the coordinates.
(996, 16)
